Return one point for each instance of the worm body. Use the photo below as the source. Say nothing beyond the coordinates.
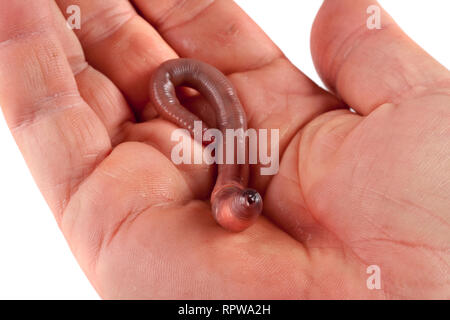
(234, 206)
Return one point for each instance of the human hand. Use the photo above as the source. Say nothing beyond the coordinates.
(353, 190)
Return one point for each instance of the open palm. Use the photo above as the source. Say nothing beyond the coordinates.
(353, 190)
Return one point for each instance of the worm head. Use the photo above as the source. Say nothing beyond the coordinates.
(236, 209)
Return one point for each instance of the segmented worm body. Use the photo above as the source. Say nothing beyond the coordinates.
(234, 206)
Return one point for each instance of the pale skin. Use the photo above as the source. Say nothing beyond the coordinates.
(354, 189)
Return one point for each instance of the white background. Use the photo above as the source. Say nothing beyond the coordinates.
(35, 261)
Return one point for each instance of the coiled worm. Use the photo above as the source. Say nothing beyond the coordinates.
(234, 206)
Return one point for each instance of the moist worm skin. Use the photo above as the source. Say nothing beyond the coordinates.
(234, 206)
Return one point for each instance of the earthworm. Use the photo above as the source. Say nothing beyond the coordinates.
(234, 206)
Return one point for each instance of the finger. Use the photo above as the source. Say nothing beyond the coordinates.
(217, 32)
(370, 67)
(121, 45)
(96, 89)
(60, 137)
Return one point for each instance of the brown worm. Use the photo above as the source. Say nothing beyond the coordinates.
(234, 206)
